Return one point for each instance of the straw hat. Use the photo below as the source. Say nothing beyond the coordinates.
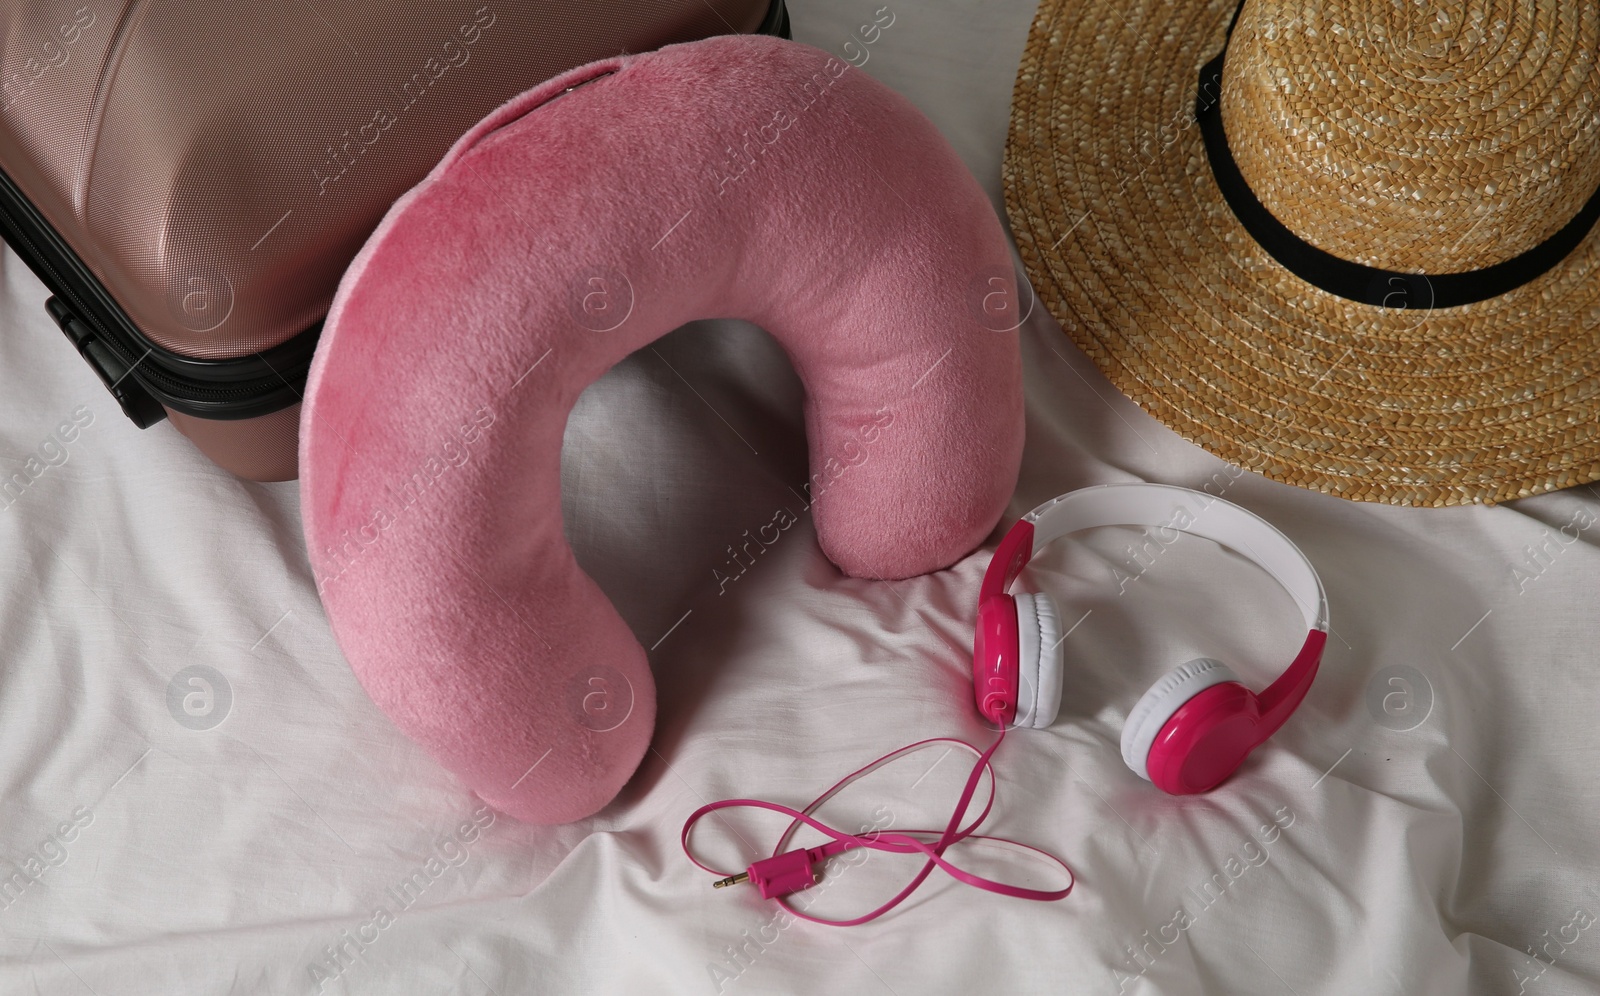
(1397, 299)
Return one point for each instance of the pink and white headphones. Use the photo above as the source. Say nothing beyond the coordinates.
(1195, 726)
(1187, 734)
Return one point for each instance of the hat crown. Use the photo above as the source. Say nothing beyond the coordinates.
(1421, 137)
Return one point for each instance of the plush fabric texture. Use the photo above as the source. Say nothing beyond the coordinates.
(737, 177)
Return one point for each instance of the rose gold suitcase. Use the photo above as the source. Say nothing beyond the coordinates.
(190, 180)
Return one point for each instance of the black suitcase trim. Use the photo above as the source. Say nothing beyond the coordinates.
(141, 375)
(145, 378)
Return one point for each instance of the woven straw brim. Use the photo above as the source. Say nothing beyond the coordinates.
(1128, 242)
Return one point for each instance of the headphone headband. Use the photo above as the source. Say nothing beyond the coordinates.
(1163, 506)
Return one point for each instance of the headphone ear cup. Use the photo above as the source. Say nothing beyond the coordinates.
(1163, 699)
(995, 658)
(1039, 664)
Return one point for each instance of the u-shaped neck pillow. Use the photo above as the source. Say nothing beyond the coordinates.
(736, 177)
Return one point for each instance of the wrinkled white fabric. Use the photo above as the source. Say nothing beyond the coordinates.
(302, 845)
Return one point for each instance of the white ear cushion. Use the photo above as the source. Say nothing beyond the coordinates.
(1163, 699)
(1039, 665)
(1027, 658)
(1047, 697)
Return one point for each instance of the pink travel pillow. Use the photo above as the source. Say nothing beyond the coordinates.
(737, 177)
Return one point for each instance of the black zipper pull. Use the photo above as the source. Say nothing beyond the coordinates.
(142, 409)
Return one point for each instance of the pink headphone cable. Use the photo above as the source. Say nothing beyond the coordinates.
(786, 872)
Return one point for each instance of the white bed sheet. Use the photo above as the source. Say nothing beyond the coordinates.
(252, 856)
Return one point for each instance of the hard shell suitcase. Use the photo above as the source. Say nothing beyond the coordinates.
(190, 180)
